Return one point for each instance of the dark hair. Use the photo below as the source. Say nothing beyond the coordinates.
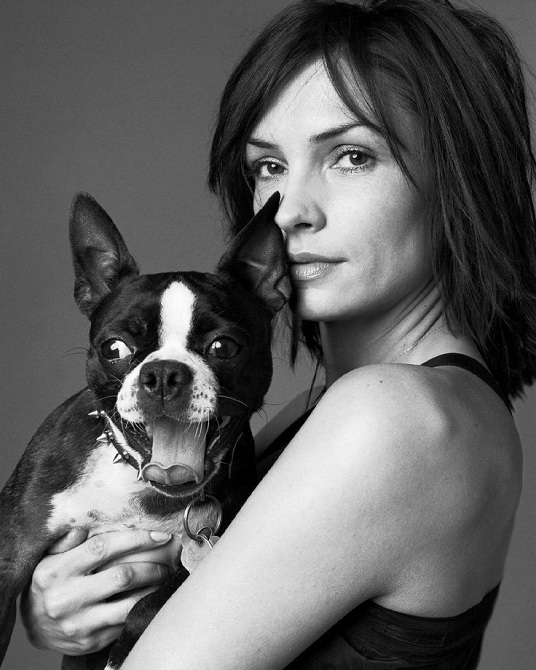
(459, 74)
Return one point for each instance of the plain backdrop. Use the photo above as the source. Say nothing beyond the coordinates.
(118, 98)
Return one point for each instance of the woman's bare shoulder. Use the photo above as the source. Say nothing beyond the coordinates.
(432, 473)
(437, 401)
(418, 433)
(358, 467)
(409, 443)
(381, 398)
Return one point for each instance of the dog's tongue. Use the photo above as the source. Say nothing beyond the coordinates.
(178, 455)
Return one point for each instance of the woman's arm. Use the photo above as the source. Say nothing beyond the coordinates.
(65, 608)
(333, 523)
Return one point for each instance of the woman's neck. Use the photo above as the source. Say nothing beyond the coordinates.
(417, 333)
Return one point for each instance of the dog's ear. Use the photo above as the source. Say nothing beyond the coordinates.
(100, 256)
(257, 258)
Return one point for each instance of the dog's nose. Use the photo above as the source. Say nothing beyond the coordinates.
(165, 379)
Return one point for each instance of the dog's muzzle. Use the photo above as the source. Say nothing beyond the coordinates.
(172, 455)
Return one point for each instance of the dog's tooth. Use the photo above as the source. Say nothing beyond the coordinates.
(117, 458)
(103, 438)
(139, 475)
(97, 414)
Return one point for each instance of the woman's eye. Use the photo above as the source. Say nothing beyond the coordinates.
(224, 348)
(115, 350)
(353, 160)
(267, 169)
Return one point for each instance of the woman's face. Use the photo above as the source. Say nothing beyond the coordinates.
(354, 225)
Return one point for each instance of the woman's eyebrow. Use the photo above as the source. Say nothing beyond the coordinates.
(325, 135)
(331, 133)
(261, 144)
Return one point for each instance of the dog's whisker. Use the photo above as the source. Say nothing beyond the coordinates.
(232, 458)
(203, 428)
(75, 351)
(228, 397)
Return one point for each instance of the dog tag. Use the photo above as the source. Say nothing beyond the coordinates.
(194, 551)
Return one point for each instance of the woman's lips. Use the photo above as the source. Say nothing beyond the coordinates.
(308, 271)
(307, 267)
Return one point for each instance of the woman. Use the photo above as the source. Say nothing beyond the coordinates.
(396, 134)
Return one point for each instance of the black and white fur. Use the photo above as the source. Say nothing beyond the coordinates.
(177, 364)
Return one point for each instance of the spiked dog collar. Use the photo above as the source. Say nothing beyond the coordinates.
(114, 436)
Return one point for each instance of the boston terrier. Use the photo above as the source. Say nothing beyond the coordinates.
(160, 438)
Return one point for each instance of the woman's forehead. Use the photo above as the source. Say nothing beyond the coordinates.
(310, 103)
(308, 98)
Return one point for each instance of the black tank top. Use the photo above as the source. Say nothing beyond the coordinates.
(372, 637)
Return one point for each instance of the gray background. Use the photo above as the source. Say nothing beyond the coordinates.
(118, 98)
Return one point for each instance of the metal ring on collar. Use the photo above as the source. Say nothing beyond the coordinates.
(205, 533)
(196, 535)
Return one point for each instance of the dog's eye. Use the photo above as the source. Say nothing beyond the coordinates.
(223, 347)
(115, 350)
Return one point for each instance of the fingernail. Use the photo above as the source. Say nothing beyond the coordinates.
(159, 536)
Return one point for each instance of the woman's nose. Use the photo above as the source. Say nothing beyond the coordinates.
(299, 209)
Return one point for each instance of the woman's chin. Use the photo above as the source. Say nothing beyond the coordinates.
(309, 310)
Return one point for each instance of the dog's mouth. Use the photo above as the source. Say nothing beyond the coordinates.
(180, 454)
(177, 458)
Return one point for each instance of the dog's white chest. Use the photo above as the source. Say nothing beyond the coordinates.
(106, 497)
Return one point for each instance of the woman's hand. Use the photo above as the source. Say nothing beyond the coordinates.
(83, 590)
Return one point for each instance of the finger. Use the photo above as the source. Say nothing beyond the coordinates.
(115, 612)
(97, 627)
(167, 554)
(102, 548)
(95, 589)
(78, 641)
(103, 638)
(127, 577)
(72, 539)
(99, 549)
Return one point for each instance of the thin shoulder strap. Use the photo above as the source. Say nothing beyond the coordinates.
(471, 365)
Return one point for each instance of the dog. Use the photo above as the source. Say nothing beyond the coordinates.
(160, 439)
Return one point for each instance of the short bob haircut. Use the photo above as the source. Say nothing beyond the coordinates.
(459, 74)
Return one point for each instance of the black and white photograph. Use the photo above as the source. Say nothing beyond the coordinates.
(269, 335)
